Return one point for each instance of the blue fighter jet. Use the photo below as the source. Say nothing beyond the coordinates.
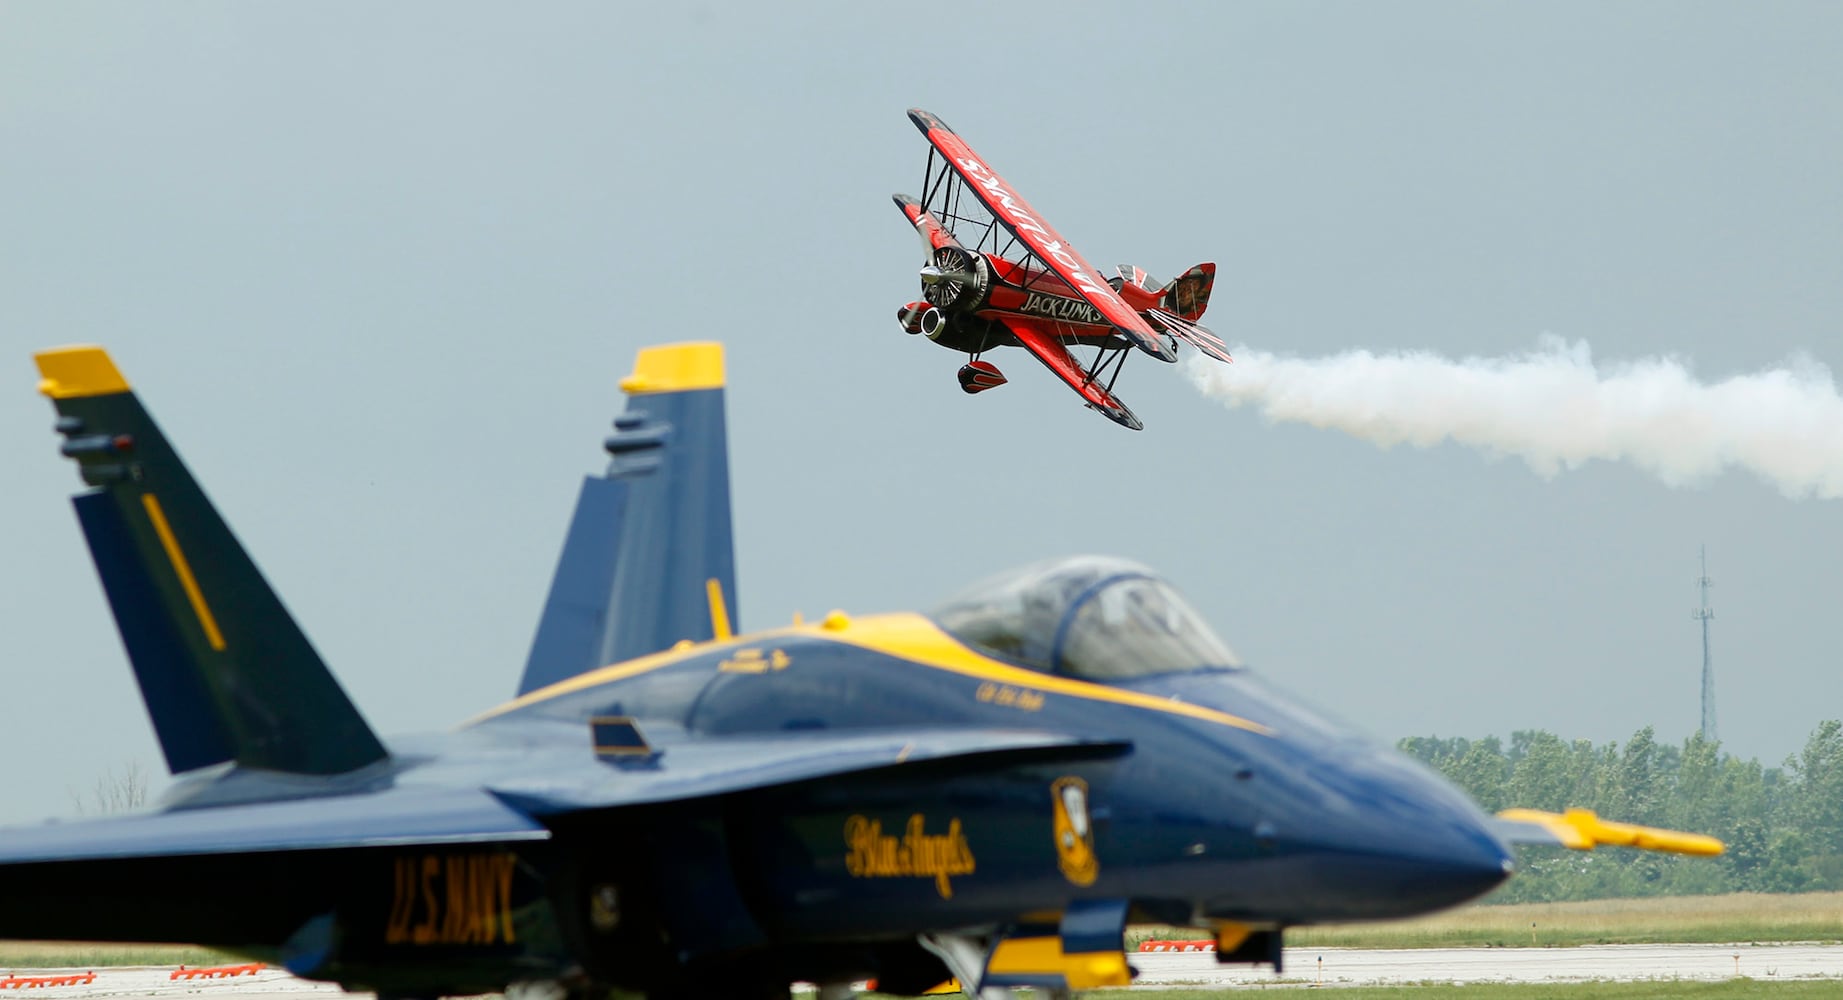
(990, 792)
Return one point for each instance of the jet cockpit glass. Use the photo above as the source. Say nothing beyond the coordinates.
(1091, 617)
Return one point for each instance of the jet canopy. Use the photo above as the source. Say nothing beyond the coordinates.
(1092, 617)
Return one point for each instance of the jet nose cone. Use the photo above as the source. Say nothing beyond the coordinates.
(1383, 838)
(1438, 869)
(1428, 846)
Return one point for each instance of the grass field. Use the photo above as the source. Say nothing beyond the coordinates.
(1739, 917)
(21, 955)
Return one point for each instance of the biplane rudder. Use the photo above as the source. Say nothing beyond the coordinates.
(224, 670)
(650, 540)
(1187, 295)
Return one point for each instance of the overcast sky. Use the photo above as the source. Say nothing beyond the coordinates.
(377, 268)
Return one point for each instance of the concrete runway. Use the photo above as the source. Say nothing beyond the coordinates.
(144, 980)
(1364, 967)
(1341, 967)
(156, 981)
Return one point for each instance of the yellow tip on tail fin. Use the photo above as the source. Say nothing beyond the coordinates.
(73, 372)
(676, 368)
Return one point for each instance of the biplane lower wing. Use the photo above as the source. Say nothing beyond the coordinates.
(1041, 340)
(1024, 223)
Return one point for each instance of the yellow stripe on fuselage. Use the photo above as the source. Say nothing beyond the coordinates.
(914, 637)
(184, 570)
(910, 637)
(600, 675)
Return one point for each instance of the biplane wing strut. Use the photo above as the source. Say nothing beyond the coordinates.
(1042, 341)
(1023, 223)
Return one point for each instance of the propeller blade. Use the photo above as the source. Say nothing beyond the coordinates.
(933, 275)
(927, 242)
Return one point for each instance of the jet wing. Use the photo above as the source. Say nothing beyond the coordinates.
(1023, 222)
(678, 768)
(1039, 338)
(1582, 830)
(378, 819)
(673, 766)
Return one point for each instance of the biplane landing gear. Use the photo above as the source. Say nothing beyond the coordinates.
(978, 376)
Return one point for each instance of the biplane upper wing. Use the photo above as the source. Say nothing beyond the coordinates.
(1039, 338)
(1023, 222)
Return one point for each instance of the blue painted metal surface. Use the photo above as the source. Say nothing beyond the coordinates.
(574, 627)
(675, 529)
(643, 542)
(692, 767)
(225, 659)
(177, 699)
(417, 817)
(1304, 823)
(1074, 748)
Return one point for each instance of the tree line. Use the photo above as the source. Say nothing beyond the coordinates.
(1783, 826)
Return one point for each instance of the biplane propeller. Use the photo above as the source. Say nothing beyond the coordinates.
(1020, 284)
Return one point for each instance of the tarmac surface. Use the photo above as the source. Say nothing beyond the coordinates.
(156, 981)
(1304, 967)
(1364, 967)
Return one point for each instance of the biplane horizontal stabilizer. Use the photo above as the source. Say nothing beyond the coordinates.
(1195, 334)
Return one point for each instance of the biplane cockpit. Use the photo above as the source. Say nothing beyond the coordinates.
(1091, 617)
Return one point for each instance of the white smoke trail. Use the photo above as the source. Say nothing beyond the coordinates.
(1556, 410)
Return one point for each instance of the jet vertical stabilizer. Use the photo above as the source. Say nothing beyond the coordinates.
(224, 670)
(648, 537)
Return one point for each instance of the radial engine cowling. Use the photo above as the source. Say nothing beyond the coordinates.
(956, 279)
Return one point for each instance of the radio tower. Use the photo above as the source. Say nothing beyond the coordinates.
(1703, 614)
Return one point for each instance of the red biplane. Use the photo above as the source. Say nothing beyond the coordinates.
(976, 295)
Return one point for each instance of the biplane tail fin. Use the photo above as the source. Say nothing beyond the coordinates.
(648, 559)
(1187, 295)
(225, 672)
